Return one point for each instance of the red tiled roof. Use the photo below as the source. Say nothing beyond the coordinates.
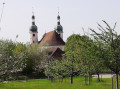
(51, 39)
(56, 53)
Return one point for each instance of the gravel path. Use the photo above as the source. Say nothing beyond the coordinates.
(104, 76)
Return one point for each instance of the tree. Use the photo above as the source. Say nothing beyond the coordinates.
(108, 43)
(34, 61)
(88, 57)
(72, 54)
(81, 53)
(58, 69)
(10, 61)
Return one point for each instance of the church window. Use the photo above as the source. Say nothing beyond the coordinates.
(33, 34)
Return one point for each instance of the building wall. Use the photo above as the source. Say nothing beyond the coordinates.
(33, 37)
(61, 35)
(47, 47)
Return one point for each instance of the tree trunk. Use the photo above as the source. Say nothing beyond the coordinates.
(101, 77)
(117, 81)
(65, 80)
(52, 79)
(112, 82)
(89, 75)
(71, 79)
(62, 80)
(89, 78)
(71, 76)
(59, 80)
(48, 78)
(98, 77)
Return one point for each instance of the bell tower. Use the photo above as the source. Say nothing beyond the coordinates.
(33, 32)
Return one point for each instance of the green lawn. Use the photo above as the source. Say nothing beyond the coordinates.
(78, 83)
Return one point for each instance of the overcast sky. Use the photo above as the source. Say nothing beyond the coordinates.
(75, 15)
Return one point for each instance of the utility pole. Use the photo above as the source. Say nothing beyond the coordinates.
(1, 15)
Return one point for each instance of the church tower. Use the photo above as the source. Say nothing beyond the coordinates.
(59, 28)
(33, 32)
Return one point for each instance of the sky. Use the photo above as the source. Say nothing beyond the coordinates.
(75, 15)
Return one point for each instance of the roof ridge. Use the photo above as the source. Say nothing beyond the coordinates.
(42, 37)
(52, 38)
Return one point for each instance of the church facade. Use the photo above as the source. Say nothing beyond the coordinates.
(53, 40)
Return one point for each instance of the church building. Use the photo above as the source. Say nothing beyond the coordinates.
(53, 40)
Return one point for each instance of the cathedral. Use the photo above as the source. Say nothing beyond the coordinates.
(53, 40)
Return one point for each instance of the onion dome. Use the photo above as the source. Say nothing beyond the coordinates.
(33, 28)
(58, 28)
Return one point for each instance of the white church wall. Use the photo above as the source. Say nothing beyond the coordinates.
(33, 37)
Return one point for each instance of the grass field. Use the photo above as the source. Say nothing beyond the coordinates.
(78, 83)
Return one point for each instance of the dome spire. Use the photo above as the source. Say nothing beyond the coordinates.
(58, 18)
(59, 28)
(33, 28)
(33, 19)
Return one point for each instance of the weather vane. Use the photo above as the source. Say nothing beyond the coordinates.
(58, 10)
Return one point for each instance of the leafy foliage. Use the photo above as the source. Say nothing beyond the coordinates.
(108, 43)
(11, 59)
